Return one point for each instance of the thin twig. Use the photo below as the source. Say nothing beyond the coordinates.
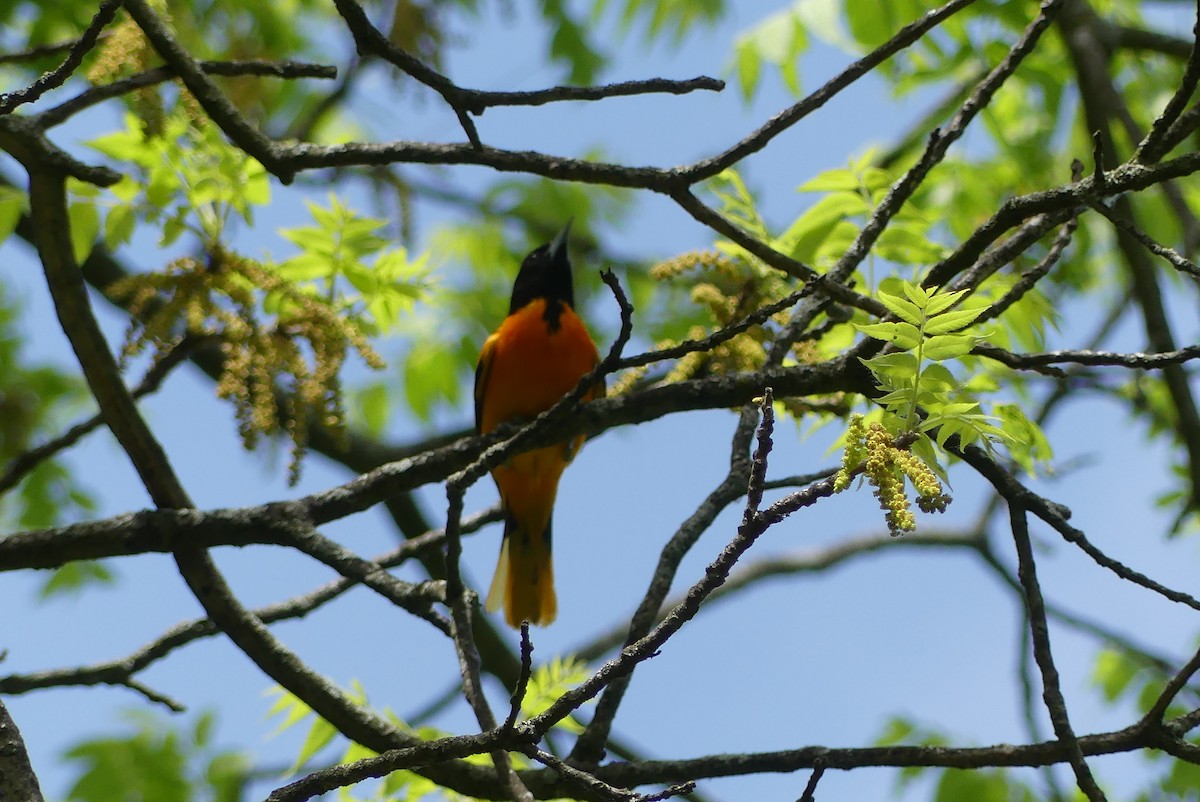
(589, 747)
(1152, 147)
(785, 119)
(1031, 277)
(98, 94)
(1056, 515)
(597, 789)
(1136, 361)
(518, 694)
(41, 51)
(810, 789)
(1154, 715)
(56, 77)
(1177, 260)
(1051, 691)
(714, 576)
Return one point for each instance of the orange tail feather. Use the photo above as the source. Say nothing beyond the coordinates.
(524, 580)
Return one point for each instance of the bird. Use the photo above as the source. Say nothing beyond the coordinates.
(539, 353)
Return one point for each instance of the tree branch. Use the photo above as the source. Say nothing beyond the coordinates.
(56, 77)
(1051, 692)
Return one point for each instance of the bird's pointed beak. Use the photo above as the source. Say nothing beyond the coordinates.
(559, 244)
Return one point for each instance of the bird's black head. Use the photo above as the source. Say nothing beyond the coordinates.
(546, 273)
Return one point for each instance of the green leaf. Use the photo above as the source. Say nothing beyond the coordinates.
(747, 66)
(918, 296)
(780, 40)
(947, 346)
(306, 267)
(173, 227)
(256, 188)
(897, 363)
(550, 681)
(902, 335)
(430, 377)
(147, 765)
(74, 577)
(128, 145)
(320, 735)
(374, 406)
(811, 229)
(294, 709)
(226, 776)
(957, 785)
(906, 243)
(1183, 780)
(85, 226)
(203, 728)
(953, 321)
(1027, 443)
(903, 309)
(839, 179)
(824, 18)
(119, 225)
(1113, 673)
(940, 302)
(13, 203)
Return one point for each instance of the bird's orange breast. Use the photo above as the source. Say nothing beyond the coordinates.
(530, 366)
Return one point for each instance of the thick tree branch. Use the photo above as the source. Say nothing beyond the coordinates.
(17, 780)
(118, 672)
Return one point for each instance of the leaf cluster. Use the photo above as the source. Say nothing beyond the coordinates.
(158, 761)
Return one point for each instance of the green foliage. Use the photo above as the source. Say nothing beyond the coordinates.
(570, 44)
(779, 40)
(952, 785)
(550, 681)
(13, 203)
(898, 730)
(849, 195)
(1182, 782)
(1124, 676)
(74, 577)
(157, 761)
(286, 327)
(191, 180)
(930, 331)
(921, 394)
(992, 785)
(345, 260)
(924, 403)
(399, 786)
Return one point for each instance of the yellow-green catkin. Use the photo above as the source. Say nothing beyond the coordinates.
(871, 449)
(280, 372)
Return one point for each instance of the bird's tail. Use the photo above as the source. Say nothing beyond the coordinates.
(524, 580)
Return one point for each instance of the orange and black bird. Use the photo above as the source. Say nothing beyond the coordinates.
(538, 355)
